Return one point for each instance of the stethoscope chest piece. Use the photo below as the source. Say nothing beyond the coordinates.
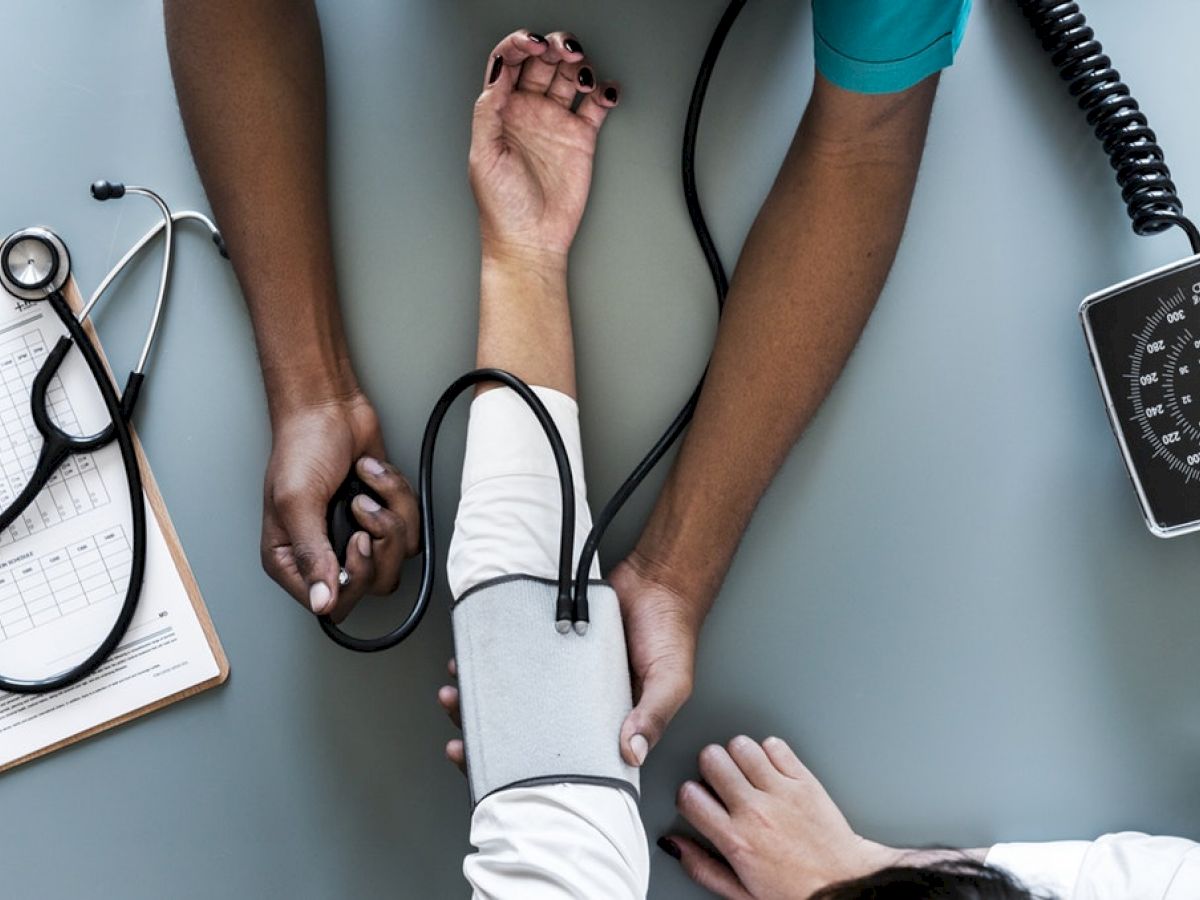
(34, 263)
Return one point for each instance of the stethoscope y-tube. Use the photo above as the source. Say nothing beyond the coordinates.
(571, 608)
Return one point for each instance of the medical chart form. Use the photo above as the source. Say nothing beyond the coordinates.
(64, 565)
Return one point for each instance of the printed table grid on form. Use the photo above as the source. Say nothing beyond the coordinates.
(77, 486)
(36, 591)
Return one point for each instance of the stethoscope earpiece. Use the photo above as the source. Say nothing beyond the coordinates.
(107, 190)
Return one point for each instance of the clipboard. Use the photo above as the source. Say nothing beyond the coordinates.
(183, 570)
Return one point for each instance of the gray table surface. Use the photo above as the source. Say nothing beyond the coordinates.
(947, 601)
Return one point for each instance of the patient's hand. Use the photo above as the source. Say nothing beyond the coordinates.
(779, 832)
(531, 156)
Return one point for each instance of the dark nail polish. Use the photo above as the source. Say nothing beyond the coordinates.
(536, 38)
(497, 64)
(586, 78)
(669, 847)
(610, 94)
(573, 45)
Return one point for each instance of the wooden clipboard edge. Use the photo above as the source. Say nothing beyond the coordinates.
(191, 586)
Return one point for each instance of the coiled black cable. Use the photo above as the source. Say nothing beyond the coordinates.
(1116, 117)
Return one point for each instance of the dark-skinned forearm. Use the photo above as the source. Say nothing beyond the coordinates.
(250, 79)
(809, 275)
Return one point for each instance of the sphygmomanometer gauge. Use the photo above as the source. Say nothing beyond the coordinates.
(1144, 337)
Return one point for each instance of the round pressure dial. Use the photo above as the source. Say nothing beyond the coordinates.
(1144, 336)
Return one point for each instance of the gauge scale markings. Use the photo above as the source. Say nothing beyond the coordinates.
(1157, 363)
(1144, 335)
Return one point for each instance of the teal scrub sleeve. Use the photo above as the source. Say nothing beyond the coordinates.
(884, 46)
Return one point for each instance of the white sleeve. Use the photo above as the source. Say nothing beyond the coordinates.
(1113, 867)
(559, 840)
(1051, 867)
(510, 511)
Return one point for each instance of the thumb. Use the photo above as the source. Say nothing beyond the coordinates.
(702, 867)
(666, 686)
(314, 557)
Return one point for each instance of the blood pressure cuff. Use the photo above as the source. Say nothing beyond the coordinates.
(540, 707)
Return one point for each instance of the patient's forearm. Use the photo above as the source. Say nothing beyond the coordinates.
(251, 84)
(525, 322)
(811, 270)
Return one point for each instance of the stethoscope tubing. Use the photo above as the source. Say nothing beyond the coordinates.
(133, 477)
(132, 252)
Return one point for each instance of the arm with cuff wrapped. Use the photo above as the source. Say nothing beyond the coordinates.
(555, 807)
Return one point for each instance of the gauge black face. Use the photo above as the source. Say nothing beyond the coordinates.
(1144, 336)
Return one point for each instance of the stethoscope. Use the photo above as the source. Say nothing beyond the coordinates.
(35, 266)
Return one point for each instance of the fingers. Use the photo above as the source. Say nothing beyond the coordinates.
(504, 62)
(457, 754)
(387, 481)
(712, 874)
(665, 688)
(570, 80)
(360, 568)
(499, 79)
(448, 700)
(753, 762)
(375, 556)
(703, 811)
(595, 106)
(784, 758)
(722, 774)
(538, 73)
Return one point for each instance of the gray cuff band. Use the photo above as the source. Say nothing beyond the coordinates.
(539, 707)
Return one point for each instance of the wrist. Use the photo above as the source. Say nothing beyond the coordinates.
(516, 260)
(301, 342)
(876, 857)
(680, 550)
(296, 386)
(510, 274)
(692, 599)
(924, 857)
